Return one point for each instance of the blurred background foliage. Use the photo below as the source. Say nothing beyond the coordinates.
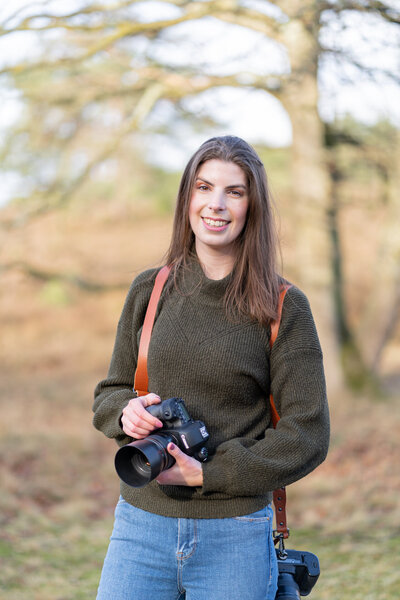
(108, 100)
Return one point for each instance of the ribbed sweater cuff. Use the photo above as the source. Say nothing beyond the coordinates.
(213, 479)
(111, 424)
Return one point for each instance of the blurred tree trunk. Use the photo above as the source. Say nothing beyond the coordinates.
(310, 180)
(363, 342)
(383, 309)
(356, 371)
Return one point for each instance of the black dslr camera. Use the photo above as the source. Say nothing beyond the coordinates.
(298, 573)
(141, 461)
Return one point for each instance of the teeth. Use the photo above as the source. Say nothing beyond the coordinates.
(215, 223)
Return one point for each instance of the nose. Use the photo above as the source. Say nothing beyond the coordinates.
(217, 201)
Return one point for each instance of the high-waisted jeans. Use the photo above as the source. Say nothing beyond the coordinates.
(151, 557)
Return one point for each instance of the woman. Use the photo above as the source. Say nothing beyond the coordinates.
(203, 531)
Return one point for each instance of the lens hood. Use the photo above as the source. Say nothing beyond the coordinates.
(141, 461)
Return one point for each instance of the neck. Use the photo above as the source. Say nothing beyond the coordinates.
(216, 264)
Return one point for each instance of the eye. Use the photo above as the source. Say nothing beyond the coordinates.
(202, 187)
(235, 193)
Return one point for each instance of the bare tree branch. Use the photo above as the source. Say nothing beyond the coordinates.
(194, 10)
(21, 9)
(385, 10)
(165, 85)
(370, 72)
(91, 9)
(224, 10)
(252, 19)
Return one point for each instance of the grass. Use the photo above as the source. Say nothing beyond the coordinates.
(53, 559)
(60, 559)
(59, 488)
(360, 565)
(55, 517)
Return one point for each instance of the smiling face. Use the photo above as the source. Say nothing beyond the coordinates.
(218, 208)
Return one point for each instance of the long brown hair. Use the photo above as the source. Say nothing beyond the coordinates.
(253, 289)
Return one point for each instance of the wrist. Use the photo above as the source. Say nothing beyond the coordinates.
(198, 479)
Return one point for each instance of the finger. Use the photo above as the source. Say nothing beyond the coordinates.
(141, 417)
(151, 399)
(148, 400)
(186, 470)
(171, 476)
(176, 452)
(135, 412)
(134, 435)
(136, 424)
(136, 432)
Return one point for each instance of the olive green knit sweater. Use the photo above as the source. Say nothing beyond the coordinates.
(224, 371)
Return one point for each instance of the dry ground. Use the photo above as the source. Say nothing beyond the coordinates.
(58, 482)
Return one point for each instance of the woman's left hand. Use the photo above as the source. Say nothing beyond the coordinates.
(185, 471)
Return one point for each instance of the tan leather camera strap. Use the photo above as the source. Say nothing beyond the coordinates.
(141, 383)
(279, 495)
(142, 379)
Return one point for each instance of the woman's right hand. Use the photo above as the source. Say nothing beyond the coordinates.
(136, 421)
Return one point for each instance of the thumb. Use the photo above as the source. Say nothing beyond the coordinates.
(175, 451)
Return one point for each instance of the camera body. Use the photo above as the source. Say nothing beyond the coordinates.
(190, 436)
(297, 573)
(141, 461)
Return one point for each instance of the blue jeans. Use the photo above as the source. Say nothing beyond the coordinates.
(153, 557)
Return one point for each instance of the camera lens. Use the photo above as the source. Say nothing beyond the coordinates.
(142, 461)
(141, 464)
(287, 587)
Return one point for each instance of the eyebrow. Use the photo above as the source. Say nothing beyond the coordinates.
(228, 187)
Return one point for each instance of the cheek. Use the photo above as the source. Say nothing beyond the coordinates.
(193, 211)
(241, 214)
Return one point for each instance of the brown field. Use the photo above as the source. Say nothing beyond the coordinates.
(58, 481)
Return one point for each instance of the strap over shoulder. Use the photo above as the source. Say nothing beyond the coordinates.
(275, 324)
(141, 383)
(282, 530)
(274, 334)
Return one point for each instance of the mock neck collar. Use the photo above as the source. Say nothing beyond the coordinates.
(195, 281)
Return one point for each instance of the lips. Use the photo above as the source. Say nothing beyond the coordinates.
(215, 223)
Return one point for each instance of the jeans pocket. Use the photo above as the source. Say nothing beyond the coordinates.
(259, 516)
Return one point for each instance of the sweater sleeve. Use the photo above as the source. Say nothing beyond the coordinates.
(248, 467)
(113, 393)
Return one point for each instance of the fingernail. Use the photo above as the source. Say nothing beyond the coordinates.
(172, 446)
